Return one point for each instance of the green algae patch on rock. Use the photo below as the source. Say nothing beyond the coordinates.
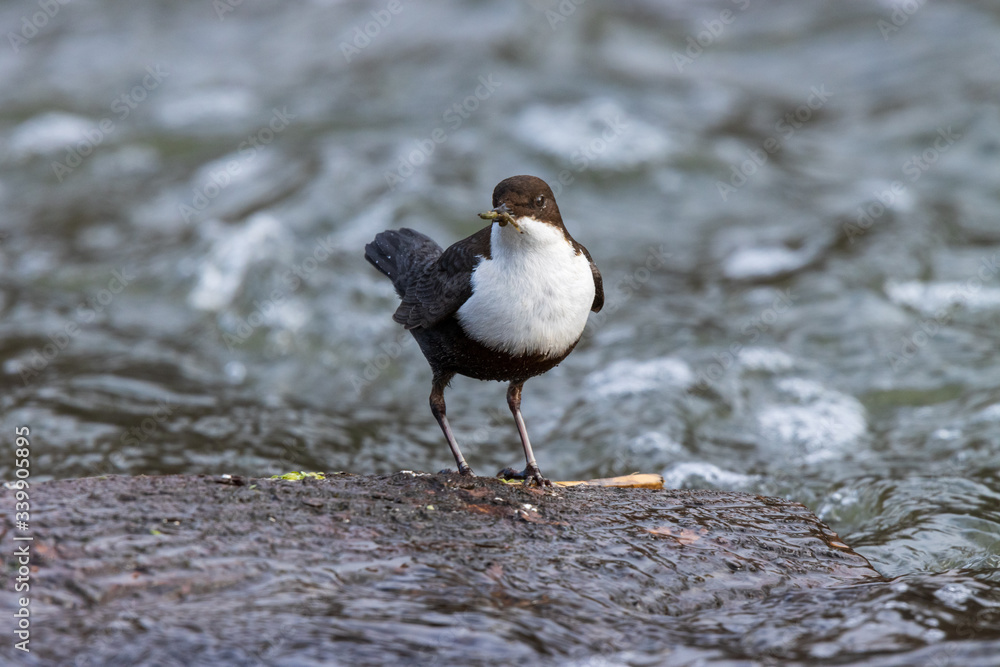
(298, 476)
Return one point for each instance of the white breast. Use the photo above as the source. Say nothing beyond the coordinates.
(533, 296)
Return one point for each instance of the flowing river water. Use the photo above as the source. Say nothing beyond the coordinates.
(794, 206)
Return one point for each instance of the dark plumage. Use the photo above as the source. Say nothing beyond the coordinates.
(434, 285)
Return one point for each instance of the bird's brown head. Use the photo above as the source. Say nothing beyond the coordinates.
(527, 196)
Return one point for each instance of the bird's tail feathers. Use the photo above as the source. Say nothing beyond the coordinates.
(401, 255)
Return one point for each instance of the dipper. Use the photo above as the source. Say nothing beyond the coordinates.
(507, 303)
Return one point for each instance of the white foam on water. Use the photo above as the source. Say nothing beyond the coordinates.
(50, 132)
(199, 107)
(954, 595)
(655, 441)
(822, 423)
(938, 297)
(766, 359)
(651, 448)
(234, 250)
(688, 473)
(595, 133)
(764, 261)
(990, 413)
(630, 376)
(947, 434)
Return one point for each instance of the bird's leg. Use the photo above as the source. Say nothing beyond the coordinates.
(531, 473)
(438, 409)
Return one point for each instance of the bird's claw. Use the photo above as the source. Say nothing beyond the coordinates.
(464, 471)
(531, 475)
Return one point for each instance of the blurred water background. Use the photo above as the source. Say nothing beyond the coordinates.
(794, 206)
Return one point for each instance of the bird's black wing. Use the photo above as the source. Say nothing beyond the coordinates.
(598, 282)
(444, 285)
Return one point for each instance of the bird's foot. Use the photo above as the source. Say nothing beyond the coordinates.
(531, 475)
(464, 471)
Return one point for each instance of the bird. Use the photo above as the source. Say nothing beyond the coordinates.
(508, 303)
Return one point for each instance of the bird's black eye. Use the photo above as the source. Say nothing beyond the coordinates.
(540, 201)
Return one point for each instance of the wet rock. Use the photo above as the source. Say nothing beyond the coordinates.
(407, 567)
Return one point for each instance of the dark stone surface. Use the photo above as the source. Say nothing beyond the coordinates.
(368, 570)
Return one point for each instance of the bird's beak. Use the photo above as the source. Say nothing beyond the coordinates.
(501, 214)
(504, 216)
